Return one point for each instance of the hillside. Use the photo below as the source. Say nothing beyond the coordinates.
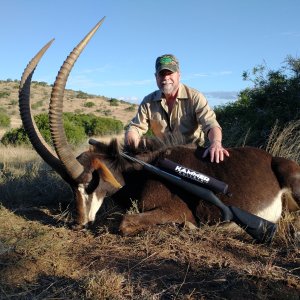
(74, 101)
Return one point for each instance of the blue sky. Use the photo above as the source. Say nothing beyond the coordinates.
(215, 41)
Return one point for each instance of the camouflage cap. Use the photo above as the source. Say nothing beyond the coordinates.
(167, 62)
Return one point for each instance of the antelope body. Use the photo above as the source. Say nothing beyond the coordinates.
(256, 180)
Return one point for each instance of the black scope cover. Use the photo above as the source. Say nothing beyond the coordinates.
(193, 176)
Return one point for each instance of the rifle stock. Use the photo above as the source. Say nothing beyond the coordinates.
(258, 228)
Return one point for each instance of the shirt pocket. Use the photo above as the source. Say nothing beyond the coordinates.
(188, 121)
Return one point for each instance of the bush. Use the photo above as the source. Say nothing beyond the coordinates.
(75, 133)
(77, 128)
(96, 125)
(131, 108)
(104, 126)
(274, 98)
(37, 104)
(16, 137)
(4, 119)
(82, 95)
(89, 104)
(4, 94)
(14, 102)
(113, 102)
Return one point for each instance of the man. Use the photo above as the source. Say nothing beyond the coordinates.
(176, 107)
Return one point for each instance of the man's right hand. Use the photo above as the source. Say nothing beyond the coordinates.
(132, 138)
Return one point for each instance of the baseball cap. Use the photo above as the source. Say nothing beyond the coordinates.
(167, 62)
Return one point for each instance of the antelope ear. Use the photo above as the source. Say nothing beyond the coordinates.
(105, 173)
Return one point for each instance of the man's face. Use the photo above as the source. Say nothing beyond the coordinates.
(168, 81)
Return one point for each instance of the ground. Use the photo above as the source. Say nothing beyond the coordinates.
(43, 257)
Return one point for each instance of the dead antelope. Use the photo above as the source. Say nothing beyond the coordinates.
(256, 180)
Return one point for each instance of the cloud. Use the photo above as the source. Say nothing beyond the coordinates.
(131, 99)
(225, 95)
(291, 34)
(209, 74)
(220, 97)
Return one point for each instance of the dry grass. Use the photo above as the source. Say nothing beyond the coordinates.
(286, 142)
(42, 258)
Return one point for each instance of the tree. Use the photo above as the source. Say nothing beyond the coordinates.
(274, 98)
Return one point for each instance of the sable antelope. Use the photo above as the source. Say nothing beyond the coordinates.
(257, 180)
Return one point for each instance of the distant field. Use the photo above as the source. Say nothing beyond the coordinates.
(74, 101)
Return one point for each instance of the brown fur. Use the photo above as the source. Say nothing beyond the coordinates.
(105, 173)
(254, 177)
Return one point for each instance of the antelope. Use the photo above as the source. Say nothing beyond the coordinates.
(257, 180)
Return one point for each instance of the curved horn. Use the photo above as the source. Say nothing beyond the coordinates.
(35, 137)
(63, 149)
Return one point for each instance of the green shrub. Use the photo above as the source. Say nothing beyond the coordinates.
(82, 95)
(4, 119)
(89, 104)
(37, 104)
(107, 112)
(96, 125)
(77, 128)
(274, 99)
(75, 133)
(42, 83)
(13, 102)
(104, 126)
(131, 108)
(4, 94)
(113, 102)
(16, 136)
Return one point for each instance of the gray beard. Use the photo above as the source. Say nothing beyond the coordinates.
(167, 89)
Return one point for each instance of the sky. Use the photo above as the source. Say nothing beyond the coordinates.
(215, 42)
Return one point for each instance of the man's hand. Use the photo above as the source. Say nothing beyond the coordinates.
(216, 151)
(132, 139)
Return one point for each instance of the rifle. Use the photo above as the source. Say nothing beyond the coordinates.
(260, 229)
(194, 176)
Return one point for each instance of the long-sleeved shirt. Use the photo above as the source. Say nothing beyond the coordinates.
(191, 115)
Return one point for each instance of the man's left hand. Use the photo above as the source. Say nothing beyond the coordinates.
(217, 152)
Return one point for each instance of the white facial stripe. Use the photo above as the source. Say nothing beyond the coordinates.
(91, 203)
(95, 201)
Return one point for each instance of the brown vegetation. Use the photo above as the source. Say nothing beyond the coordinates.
(41, 257)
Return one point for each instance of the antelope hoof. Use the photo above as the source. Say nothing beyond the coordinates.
(129, 226)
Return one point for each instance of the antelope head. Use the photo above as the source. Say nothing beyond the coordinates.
(87, 174)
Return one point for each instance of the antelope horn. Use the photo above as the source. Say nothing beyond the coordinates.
(35, 137)
(63, 149)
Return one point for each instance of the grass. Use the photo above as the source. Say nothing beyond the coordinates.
(285, 143)
(41, 257)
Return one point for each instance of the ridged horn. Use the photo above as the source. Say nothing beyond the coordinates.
(35, 137)
(63, 149)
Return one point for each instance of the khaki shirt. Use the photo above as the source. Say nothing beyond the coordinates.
(191, 115)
